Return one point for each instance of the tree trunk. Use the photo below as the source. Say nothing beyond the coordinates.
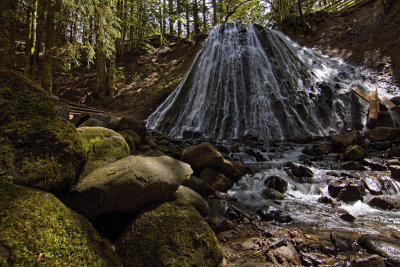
(204, 16)
(215, 18)
(164, 17)
(179, 10)
(196, 20)
(10, 12)
(187, 20)
(111, 76)
(100, 59)
(47, 77)
(171, 17)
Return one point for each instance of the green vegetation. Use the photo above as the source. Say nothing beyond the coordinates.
(39, 149)
(36, 228)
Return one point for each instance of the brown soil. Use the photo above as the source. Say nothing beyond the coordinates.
(362, 35)
(144, 79)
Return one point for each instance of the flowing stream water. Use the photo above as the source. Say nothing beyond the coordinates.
(249, 80)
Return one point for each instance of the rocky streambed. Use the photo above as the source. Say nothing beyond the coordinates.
(111, 192)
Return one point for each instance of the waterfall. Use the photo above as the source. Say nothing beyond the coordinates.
(250, 80)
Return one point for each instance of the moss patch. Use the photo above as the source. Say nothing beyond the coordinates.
(171, 235)
(35, 227)
(41, 149)
(103, 146)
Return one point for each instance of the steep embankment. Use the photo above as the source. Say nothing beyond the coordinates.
(363, 35)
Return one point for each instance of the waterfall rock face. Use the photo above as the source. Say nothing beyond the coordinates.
(250, 80)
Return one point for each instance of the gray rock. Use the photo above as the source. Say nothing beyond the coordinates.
(380, 134)
(347, 190)
(395, 172)
(188, 196)
(384, 246)
(345, 140)
(128, 185)
(277, 183)
(371, 261)
(199, 185)
(270, 213)
(384, 202)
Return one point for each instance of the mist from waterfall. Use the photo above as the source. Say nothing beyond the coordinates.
(249, 80)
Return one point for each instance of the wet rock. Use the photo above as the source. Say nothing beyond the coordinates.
(222, 183)
(347, 190)
(220, 224)
(322, 149)
(271, 193)
(328, 200)
(277, 183)
(375, 164)
(240, 170)
(257, 155)
(391, 162)
(373, 185)
(394, 151)
(218, 208)
(110, 188)
(345, 215)
(34, 222)
(131, 123)
(299, 173)
(199, 185)
(169, 235)
(384, 203)
(270, 213)
(234, 148)
(92, 122)
(209, 175)
(354, 152)
(284, 256)
(384, 246)
(381, 145)
(103, 146)
(187, 196)
(345, 140)
(395, 172)
(352, 165)
(380, 134)
(371, 261)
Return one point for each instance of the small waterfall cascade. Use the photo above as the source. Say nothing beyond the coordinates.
(250, 80)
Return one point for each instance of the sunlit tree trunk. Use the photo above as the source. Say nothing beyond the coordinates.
(100, 58)
(47, 77)
(179, 10)
(164, 17)
(171, 17)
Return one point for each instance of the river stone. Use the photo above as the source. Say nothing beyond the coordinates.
(92, 122)
(277, 183)
(384, 246)
(345, 140)
(188, 196)
(371, 261)
(373, 185)
(209, 175)
(375, 164)
(37, 148)
(270, 213)
(394, 151)
(347, 190)
(170, 235)
(352, 165)
(284, 256)
(271, 193)
(395, 172)
(128, 185)
(132, 138)
(381, 134)
(220, 224)
(199, 185)
(103, 146)
(206, 156)
(36, 223)
(354, 152)
(384, 202)
(322, 149)
(222, 183)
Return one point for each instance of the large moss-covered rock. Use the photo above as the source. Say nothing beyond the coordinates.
(188, 196)
(345, 140)
(170, 235)
(128, 185)
(103, 146)
(37, 148)
(36, 228)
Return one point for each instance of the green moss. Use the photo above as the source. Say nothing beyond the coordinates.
(103, 146)
(162, 148)
(171, 235)
(33, 222)
(43, 150)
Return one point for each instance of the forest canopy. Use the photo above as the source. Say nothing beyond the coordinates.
(95, 32)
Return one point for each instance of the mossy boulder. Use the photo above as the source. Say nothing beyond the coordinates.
(355, 152)
(173, 234)
(37, 148)
(128, 185)
(132, 138)
(345, 140)
(37, 229)
(188, 196)
(104, 146)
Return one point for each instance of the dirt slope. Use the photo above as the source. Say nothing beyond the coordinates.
(362, 35)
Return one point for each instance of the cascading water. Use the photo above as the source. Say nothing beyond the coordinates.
(249, 80)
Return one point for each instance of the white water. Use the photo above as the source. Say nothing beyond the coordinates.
(249, 80)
